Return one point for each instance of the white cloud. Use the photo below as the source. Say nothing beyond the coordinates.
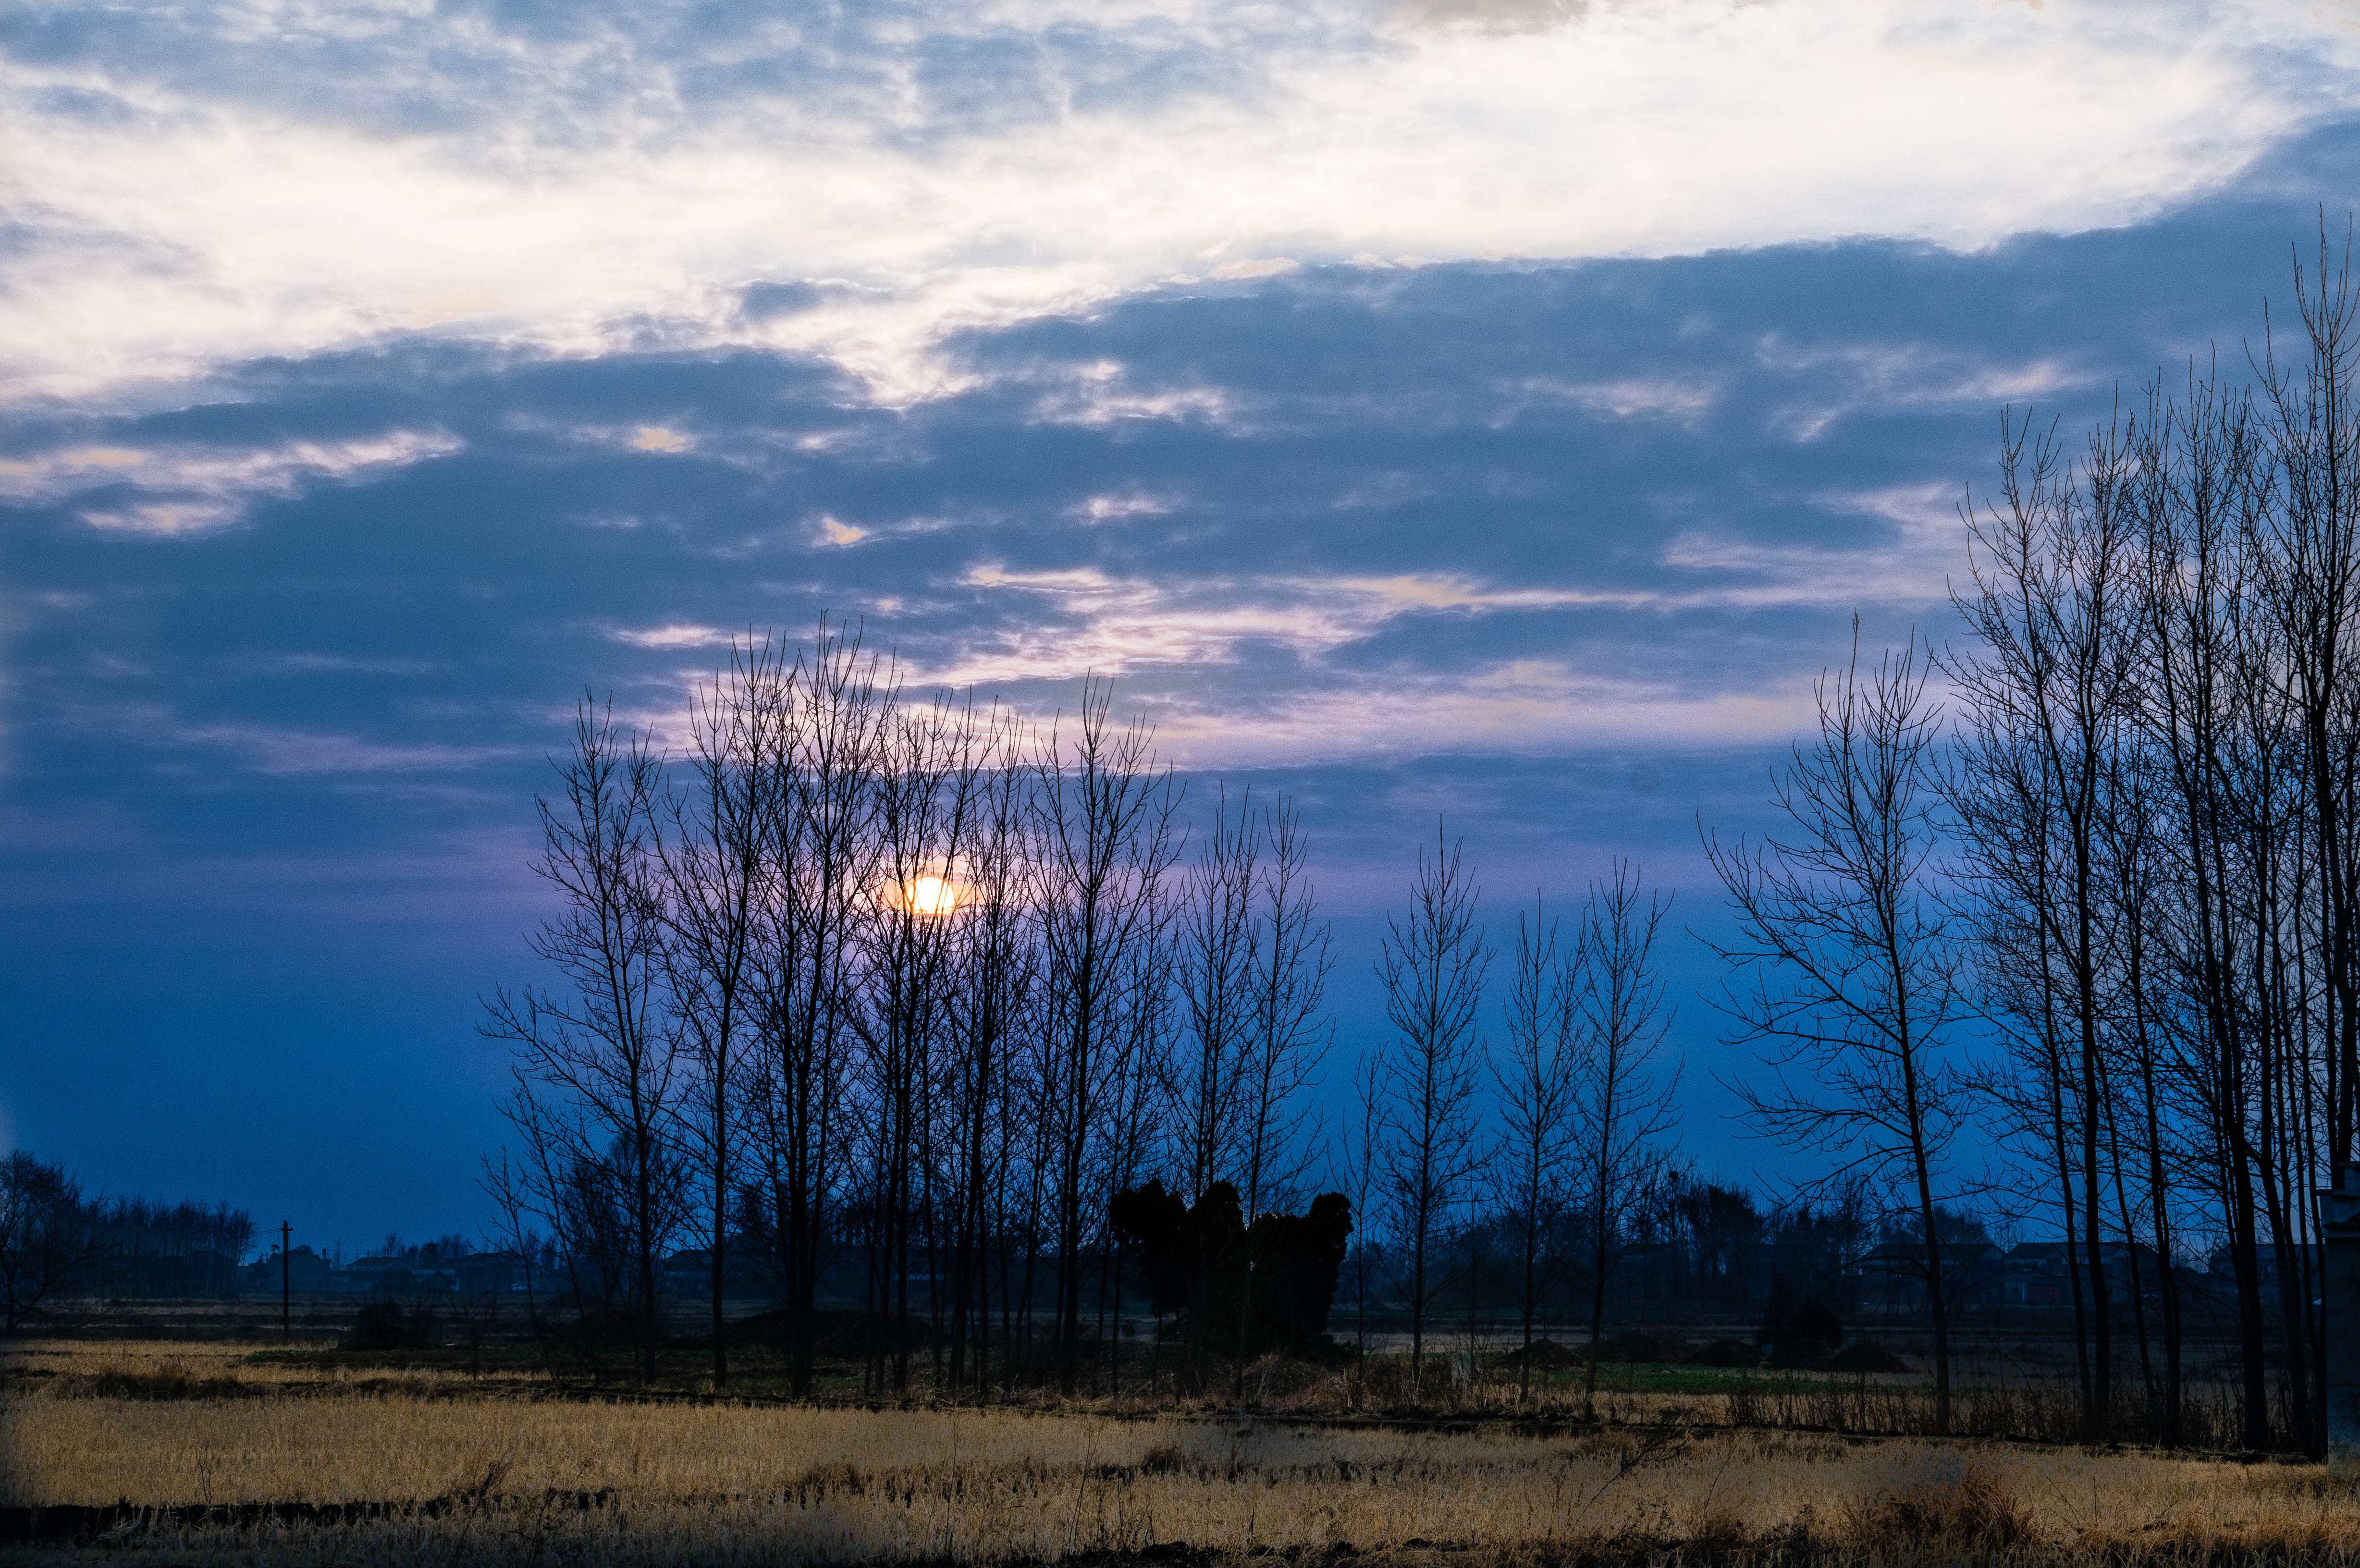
(184, 489)
(1904, 375)
(1923, 541)
(1121, 505)
(1685, 399)
(590, 197)
(673, 634)
(1082, 619)
(1517, 706)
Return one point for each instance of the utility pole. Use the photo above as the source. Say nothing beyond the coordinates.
(286, 1284)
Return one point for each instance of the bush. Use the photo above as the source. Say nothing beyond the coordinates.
(384, 1326)
(1813, 1321)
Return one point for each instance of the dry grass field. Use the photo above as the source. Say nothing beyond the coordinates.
(512, 1470)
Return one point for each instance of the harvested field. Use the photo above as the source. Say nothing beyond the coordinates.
(450, 1468)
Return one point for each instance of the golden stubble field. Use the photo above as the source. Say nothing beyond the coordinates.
(679, 1482)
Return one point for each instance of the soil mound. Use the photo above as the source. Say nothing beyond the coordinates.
(1868, 1357)
(1644, 1347)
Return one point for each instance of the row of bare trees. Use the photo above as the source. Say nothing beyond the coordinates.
(2109, 905)
(2160, 764)
(860, 963)
(1581, 1097)
(851, 963)
(855, 965)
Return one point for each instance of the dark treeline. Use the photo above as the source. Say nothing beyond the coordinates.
(56, 1240)
(2108, 904)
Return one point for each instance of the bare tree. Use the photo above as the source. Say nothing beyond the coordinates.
(2051, 682)
(597, 1063)
(830, 715)
(928, 797)
(1286, 1033)
(2199, 481)
(46, 1235)
(1623, 1099)
(716, 878)
(1534, 1079)
(992, 1011)
(1433, 966)
(1356, 1165)
(1105, 839)
(1846, 969)
(1216, 942)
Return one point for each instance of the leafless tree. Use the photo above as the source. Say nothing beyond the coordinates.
(716, 878)
(1533, 1076)
(831, 713)
(1356, 1165)
(1216, 942)
(1286, 1033)
(2050, 679)
(1846, 971)
(597, 1063)
(928, 798)
(1104, 838)
(46, 1235)
(1433, 965)
(992, 1011)
(1623, 1097)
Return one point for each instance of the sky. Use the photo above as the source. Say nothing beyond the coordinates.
(1484, 413)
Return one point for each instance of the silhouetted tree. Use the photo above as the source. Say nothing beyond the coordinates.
(1433, 965)
(46, 1235)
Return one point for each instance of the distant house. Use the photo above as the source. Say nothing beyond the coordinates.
(2220, 1264)
(304, 1271)
(751, 1274)
(2035, 1274)
(489, 1274)
(1893, 1275)
(2042, 1273)
(377, 1276)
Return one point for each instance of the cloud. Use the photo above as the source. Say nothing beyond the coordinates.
(269, 749)
(1842, 379)
(1121, 506)
(185, 488)
(1081, 619)
(678, 634)
(204, 184)
(1520, 707)
(1683, 398)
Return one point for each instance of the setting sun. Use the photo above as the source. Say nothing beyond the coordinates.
(933, 896)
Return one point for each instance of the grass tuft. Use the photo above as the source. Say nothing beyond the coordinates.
(1975, 1508)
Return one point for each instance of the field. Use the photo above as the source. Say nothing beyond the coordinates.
(173, 1452)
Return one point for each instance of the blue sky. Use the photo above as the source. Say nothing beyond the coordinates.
(1488, 409)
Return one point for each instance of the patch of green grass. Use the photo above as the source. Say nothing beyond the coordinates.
(1648, 1377)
